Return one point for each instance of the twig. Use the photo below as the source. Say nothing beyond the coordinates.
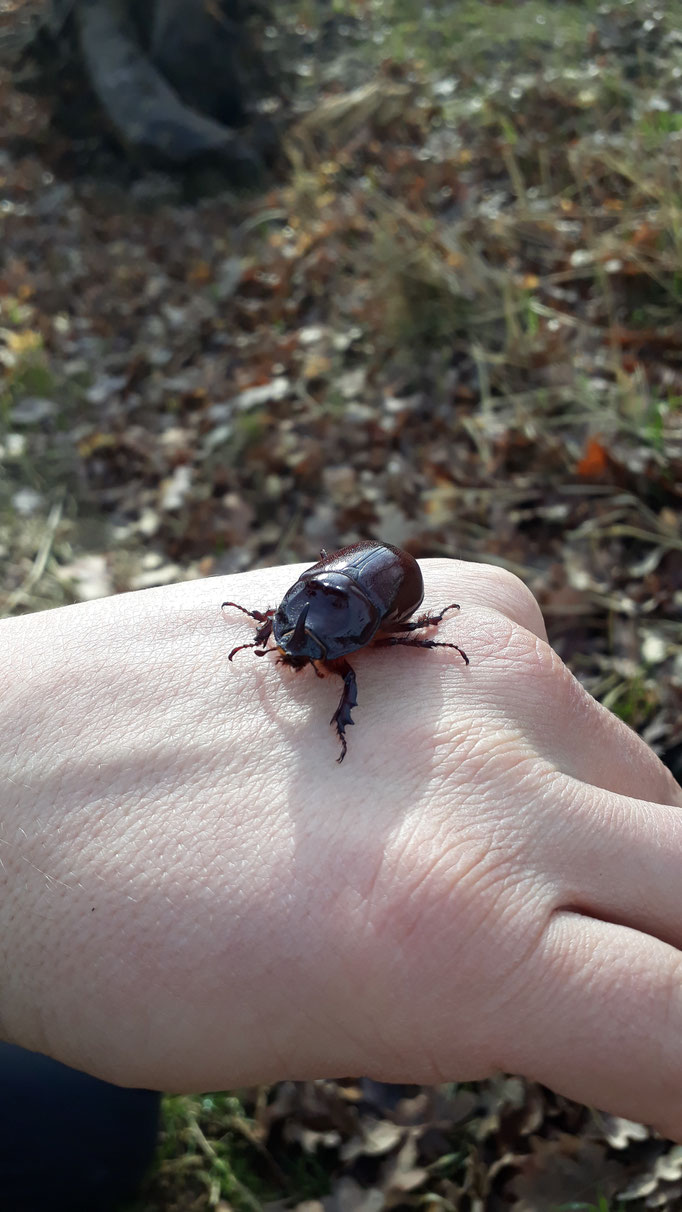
(42, 556)
(222, 1166)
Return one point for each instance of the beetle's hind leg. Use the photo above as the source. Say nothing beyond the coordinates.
(349, 699)
(424, 620)
(409, 643)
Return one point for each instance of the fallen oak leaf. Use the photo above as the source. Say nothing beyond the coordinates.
(595, 460)
(563, 1170)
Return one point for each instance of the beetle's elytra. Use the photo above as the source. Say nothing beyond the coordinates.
(347, 600)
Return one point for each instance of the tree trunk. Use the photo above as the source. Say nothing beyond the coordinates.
(173, 77)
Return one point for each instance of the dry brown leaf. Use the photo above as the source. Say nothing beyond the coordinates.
(564, 1170)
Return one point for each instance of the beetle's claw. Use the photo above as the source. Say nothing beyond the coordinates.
(239, 649)
(341, 725)
(432, 620)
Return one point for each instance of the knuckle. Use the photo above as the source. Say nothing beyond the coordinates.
(515, 599)
(507, 642)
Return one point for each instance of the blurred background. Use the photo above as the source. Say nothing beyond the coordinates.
(283, 275)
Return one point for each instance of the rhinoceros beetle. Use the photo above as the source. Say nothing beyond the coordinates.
(349, 599)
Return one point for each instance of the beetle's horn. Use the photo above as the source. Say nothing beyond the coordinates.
(298, 635)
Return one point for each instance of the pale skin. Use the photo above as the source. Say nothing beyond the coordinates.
(194, 895)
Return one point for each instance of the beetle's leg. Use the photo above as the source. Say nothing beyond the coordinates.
(424, 620)
(349, 699)
(262, 635)
(240, 648)
(317, 672)
(259, 615)
(399, 639)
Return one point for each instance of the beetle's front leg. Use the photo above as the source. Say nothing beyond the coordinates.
(263, 633)
(424, 620)
(259, 615)
(349, 699)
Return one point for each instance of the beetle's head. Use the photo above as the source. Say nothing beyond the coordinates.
(324, 616)
(299, 642)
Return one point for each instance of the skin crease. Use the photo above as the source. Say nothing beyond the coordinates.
(194, 895)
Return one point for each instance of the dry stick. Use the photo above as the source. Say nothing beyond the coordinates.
(41, 558)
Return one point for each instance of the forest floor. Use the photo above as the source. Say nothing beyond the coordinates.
(454, 323)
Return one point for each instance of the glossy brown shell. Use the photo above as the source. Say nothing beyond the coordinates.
(348, 596)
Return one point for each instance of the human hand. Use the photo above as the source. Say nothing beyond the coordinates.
(194, 895)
